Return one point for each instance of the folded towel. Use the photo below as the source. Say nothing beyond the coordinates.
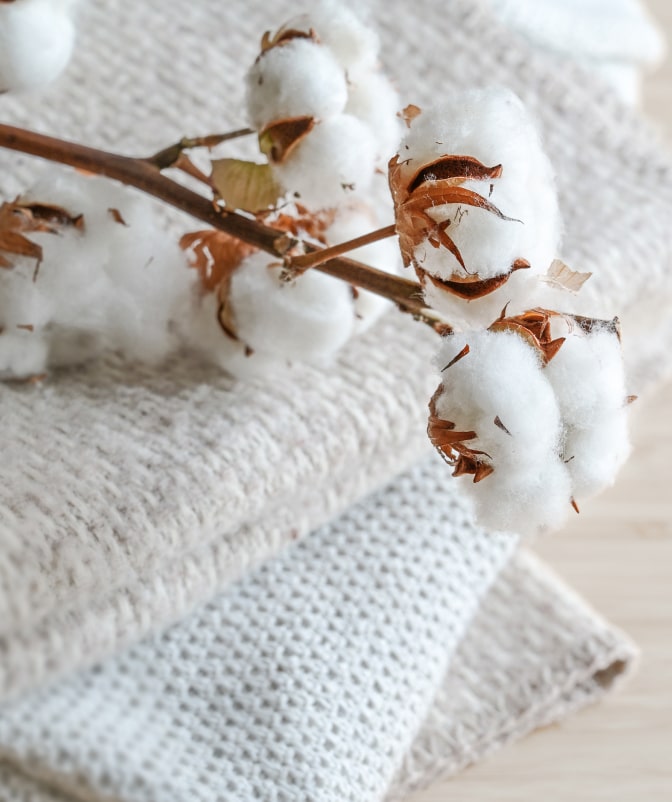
(129, 495)
(316, 677)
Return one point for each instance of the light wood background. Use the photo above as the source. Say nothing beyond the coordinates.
(618, 554)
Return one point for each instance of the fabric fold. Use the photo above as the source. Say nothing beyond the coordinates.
(316, 676)
(128, 496)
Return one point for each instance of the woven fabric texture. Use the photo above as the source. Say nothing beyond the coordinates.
(314, 677)
(128, 496)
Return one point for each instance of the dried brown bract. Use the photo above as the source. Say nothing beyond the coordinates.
(436, 184)
(452, 445)
(17, 220)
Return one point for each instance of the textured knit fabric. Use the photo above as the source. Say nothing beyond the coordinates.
(127, 496)
(130, 496)
(313, 678)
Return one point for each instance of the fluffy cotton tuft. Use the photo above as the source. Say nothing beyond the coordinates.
(36, 41)
(589, 381)
(299, 78)
(375, 101)
(106, 287)
(333, 163)
(274, 323)
(344, 32)
(551, 432)
(493, 127)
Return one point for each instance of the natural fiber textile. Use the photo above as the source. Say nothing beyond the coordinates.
(313, 678)
(127, 496)
(130, 497)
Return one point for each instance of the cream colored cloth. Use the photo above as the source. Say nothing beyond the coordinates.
(129, 497)
(330, 674)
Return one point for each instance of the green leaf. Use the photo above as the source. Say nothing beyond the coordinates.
(245, 185)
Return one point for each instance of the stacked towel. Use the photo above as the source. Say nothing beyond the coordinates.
(614, 39)
(391, 646)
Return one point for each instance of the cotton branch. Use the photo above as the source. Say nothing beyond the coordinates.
(145, 175)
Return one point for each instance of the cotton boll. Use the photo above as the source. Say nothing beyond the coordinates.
(22, 354)
(499, 390)
(374, 101)
(298, 78)
(493, 127)
(596, 454)
(344, 32)
(104, 285)
(384, 255)
(36, 42)
(331, 164)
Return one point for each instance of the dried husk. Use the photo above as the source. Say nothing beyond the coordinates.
(434, 184)
(279, 138)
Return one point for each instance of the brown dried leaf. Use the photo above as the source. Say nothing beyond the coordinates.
(278, 140)
(245, 185)
(409, 113)
(285, 35)
(215, 255)
(116, 215)
(18, 219)
(534, 327)
(452, 446)
(560, 275)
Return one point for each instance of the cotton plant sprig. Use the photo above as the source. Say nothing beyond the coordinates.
(531, 403)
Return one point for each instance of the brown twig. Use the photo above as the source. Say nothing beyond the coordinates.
(299, 264)
(145, 175)
(168, 156)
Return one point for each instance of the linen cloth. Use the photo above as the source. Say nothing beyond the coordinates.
(316, 677)
(130, 496)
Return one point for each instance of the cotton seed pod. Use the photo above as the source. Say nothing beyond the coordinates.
(541, 394)
(475, 202)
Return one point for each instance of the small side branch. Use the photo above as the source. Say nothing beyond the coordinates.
(168, 156)
(146, 176)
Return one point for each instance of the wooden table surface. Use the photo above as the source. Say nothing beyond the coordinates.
(618, 554)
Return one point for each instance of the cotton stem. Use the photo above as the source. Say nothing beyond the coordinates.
(146, 176)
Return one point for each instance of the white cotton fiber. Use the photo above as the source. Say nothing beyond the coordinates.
(373, 99)
(273, 323)
(36, 42)
(596, 453)
(344, 32)
(105, 286)
(23, 354)
(494, 127)
(332, 164)
(295, 79)
(588, 377)
(306, 319)
(384, 255)
(531, 501)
